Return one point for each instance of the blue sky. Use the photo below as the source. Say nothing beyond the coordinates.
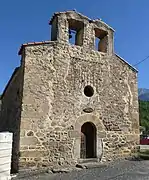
(27, 21)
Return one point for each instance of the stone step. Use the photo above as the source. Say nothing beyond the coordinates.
(88, 160)
(91, 165)
(64, 170)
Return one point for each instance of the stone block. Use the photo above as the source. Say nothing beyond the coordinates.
(22, 133)
(101, 134)
(25, 124)
(24, 141)
(74, 134)
(35, 154)
(30, 133)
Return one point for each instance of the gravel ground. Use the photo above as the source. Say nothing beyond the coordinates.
(124, 170)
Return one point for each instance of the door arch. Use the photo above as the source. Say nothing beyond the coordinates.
(88, 141)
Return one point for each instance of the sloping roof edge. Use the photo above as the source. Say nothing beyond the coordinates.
(133, 68)
(64, 12)
(8, 83)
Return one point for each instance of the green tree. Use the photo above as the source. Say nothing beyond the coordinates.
(144, 115)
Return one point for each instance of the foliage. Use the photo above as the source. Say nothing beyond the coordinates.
(144, 154)
(143, 94)
(144, 115)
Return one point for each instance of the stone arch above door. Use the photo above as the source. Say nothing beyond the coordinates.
(89, 118)
(99, 126)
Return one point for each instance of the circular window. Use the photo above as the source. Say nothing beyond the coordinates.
(88, 91)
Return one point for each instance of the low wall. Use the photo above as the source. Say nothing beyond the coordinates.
(5, 155)
(144, 147)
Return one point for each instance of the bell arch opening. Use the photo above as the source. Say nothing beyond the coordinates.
(88, 141)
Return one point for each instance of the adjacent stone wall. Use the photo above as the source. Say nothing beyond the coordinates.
(10, 115)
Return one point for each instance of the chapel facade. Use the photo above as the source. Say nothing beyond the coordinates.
(72, 98)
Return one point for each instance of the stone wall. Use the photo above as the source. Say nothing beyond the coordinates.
(54, 103)
(10, 115)
(52, 106)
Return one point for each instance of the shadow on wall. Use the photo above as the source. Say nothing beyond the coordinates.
(10, 114)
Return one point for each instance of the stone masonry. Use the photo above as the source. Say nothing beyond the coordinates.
(66, 99)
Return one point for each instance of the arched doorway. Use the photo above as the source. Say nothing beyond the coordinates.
(88, 141)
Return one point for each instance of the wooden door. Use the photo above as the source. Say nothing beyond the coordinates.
(83, 146)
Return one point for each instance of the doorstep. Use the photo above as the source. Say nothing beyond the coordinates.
(90, 163)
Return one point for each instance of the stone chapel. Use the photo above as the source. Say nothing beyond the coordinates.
(72, 99)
